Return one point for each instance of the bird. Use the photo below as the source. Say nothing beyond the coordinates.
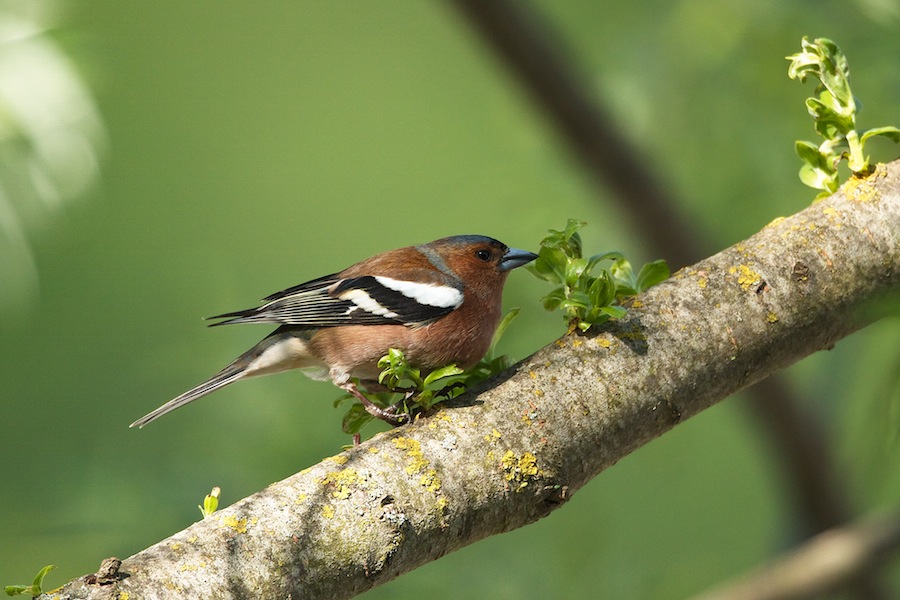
(439, 303)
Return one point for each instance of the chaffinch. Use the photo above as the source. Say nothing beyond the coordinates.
(439, 303)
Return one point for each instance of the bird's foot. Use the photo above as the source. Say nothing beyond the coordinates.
(388, 415)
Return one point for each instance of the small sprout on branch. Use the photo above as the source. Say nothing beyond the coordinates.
(834, 110)
(35, 589)
(412, 393)
(587, 299)
(211, 502)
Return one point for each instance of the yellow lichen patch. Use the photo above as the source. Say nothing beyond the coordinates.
(123, 595)
(342, 480)
(701, 283)
(493, 436)
(176, 546)
(746, 276)
(440, 416)
(833, 215)
(239, 525)
(528, 464)
(772, 317)
(340, 459)
(560, 343)
(300, 499)
(538, 392)
(430, 481)
(373, 450)
(775, 221)
(344, 477)
(532, 374)
(604, 342)
(417, 462)
(520, 469)
(862, 189)
(328, 511)
(576, 343)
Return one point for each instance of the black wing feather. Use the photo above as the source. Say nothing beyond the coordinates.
(317, 303)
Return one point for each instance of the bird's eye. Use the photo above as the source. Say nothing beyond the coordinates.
(484, 255)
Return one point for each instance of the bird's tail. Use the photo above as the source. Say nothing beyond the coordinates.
(228, 375)
(283, 349)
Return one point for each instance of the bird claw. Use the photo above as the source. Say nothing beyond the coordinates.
(388, 415)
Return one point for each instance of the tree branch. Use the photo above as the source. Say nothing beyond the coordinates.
(826, 563)
(493, 462)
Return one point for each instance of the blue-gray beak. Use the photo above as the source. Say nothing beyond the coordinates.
(516, 258)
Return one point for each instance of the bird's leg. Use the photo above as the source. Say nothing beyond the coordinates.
(407, 394)
(386, 415)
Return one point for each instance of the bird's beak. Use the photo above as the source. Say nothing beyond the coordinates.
(516, 258)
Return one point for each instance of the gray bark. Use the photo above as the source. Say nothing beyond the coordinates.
(493, 461)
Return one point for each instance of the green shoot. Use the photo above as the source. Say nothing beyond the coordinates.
(35, 589)
(210, 503)
(834, 110)
(584, 298)
(417, 392)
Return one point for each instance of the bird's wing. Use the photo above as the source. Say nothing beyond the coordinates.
(368, 300)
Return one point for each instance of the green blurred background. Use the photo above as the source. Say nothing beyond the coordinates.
(251, 146)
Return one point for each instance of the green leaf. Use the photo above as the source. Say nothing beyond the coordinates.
(36, 587)
(623, 274)
(817, 178)
(424, 399)
(39, 579)
(577, 298)
(552, 260)
(616, 312)
(552, 300)
(17, 590)
(573, 241)
(441, 373)
(584, 325)
(598, 258)
(210, 502)
(602, 290)
(829, 123)
(575, 268)
(651, 274)
(355, 418)
(808, 153)
(504, 324)
(892, 133)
